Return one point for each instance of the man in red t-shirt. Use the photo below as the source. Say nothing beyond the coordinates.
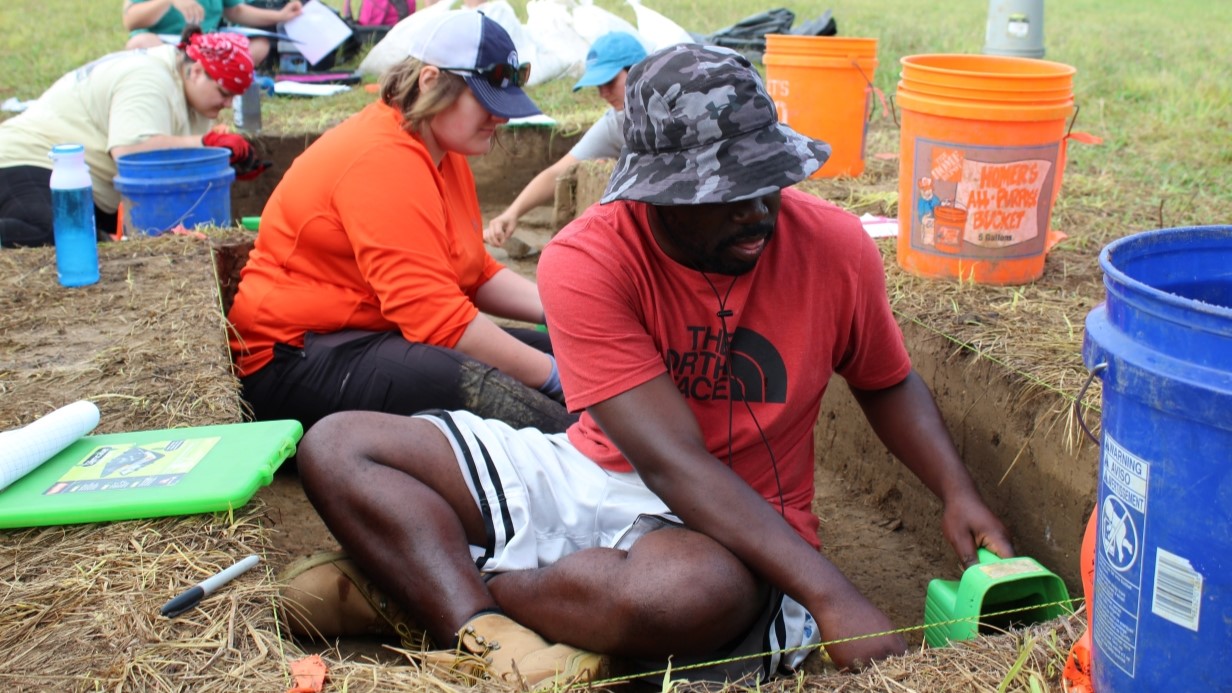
(698, 315)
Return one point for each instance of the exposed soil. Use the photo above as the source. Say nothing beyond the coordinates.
(868, 543)
(146, 345)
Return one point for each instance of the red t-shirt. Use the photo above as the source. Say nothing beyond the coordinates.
(621, 313)
(363, 232)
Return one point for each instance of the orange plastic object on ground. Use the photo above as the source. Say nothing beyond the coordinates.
(1077, 674)
(179, 230)
(309, 674)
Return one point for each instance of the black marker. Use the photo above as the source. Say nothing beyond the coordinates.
(190, 598)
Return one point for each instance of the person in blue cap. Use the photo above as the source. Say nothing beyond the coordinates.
(607, 64)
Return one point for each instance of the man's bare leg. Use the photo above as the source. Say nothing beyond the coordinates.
(390, 490)
(675, 592)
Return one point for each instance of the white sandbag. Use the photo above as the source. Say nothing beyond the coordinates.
(392, 49)
(592, 22)
(656, 30)
(560, 51)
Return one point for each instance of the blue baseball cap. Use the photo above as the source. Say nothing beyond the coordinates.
(608, 55)
(481, 51)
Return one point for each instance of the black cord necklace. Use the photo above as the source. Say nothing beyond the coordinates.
(725, 349)
(723, 314)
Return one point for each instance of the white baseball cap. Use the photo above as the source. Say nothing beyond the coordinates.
(479, 49)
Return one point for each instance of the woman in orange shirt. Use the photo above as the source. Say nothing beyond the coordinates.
(369, 281)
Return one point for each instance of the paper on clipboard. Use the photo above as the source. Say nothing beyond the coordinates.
(251, 32)
(317, 31)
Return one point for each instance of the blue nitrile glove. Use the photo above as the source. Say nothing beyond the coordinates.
(265, 84)
(552, 387)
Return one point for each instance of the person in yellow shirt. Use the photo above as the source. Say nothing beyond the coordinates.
(125, 102)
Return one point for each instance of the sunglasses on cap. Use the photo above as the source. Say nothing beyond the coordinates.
(500, 75)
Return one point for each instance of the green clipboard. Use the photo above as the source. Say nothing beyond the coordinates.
(144, 474)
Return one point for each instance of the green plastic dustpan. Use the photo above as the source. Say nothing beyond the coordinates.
(963, 609)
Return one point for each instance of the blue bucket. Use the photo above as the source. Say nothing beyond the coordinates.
(1162, 343)
(164, 188)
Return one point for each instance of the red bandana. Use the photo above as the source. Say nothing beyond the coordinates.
(225, 58)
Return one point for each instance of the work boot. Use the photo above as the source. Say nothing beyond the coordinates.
(326, 596)
(492, 646)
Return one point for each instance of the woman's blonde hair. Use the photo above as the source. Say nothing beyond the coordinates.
(400, 89)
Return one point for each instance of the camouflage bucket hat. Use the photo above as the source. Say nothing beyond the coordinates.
(700, 128)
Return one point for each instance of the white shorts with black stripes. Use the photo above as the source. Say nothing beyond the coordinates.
(542, 500)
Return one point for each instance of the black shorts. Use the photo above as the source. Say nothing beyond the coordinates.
(382, 371)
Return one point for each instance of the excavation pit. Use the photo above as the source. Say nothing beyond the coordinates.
(148, 345)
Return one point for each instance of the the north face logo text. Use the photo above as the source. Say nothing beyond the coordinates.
(702, 373)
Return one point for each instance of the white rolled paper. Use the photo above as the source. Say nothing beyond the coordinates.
(24, 449)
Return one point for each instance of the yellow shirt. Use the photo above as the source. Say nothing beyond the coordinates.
(118, 100)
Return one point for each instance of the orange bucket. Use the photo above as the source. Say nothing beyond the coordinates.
(981, 161)
(822, 87)
(948, 226)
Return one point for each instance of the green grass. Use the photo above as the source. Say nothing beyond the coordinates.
(1153, 81)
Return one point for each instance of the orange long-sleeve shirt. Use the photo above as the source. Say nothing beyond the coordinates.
(363, 232)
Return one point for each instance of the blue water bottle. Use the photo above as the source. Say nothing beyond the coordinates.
(72, 216)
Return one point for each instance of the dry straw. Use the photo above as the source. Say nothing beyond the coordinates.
(79, 604)
(153, 354)
(80, 612)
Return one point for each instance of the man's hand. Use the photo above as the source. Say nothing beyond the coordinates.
(500, 228)
(191, 9)
(907, 420)
(851, 615)
(968, 524)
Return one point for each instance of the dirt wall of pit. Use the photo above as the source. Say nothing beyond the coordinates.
(519, 154)
(1033, 470)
